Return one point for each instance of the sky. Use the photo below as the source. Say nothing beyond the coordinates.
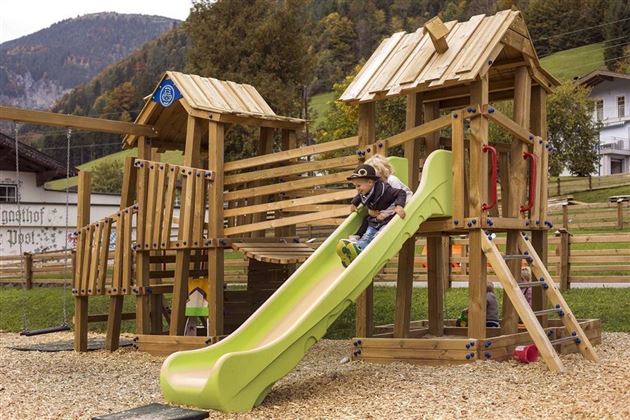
(23, 17)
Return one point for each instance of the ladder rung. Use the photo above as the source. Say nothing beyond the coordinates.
(548, 311)
(566, 339)
(517, 257)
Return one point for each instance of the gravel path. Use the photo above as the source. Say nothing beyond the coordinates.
(70, 385)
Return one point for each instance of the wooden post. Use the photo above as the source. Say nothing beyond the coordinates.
(404, 279)
(114, 318)
(540, 239)
(216, 139)
(435, 284)
(620, 214)
(143, 323)
(565, 264)
(478, 185)
(81, 302)
(518, 183)
(265, 146)
(156, 300)
(192, 152)
(365, 301)
(477, 283)
(539, 299)
(27, 261)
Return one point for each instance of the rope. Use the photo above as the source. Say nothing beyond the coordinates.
(65, 247)
(16, 129)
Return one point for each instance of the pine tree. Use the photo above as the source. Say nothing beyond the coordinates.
(616, 32)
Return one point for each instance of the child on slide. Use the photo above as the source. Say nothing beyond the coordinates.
(375, 195)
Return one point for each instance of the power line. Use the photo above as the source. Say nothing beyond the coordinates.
(582, 30)
(590, 52)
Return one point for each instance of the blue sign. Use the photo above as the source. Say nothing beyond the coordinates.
(166, 94)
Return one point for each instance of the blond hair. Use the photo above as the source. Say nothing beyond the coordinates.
(382, 166)
(526, 274)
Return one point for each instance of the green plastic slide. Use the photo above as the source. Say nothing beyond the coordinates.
(237, 373)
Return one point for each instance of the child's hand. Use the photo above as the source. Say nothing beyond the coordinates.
(353, 208)
(373, 213)
(400, 211)
(380, 217)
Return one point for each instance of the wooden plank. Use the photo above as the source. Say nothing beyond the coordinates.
(201, 187)
(169, 205)
(88, 231)
(370, 68)
(514, 293)
(457, 123)
(96, 251)
(103, 256)
(478, 184)
(216, 275)
(435, 285)
(340, 177)
(161, 203)
(127, 252)
(286, 170)
(556, 298)
(292, 203)
(286, 221)
(484, 41)
(419, 131)
(291, 154)
(74, 121)
(518, 131)
(476, 286)
(81, 302)
(151, 204)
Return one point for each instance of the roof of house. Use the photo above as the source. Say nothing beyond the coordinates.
(31, 160)
(409, 62)
(179, 95)
(598, 76)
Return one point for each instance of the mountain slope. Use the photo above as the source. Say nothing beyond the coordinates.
(37, 69)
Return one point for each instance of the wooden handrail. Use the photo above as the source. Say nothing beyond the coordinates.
(287, 204)
(287, 221)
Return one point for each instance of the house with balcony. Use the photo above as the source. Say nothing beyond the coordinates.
(610, 92)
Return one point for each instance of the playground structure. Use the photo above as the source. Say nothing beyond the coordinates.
(450, 74)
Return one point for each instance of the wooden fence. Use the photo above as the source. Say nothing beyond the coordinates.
(563, 186)
(595, 258)
(591, 216)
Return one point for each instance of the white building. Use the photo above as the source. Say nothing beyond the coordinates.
(42, 211)
(611, 94)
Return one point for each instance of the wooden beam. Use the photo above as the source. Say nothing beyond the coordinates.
(216, 141)
(458, 151)
(478, 184)
(477, 283)
(518, 183)
(291, 154)
(365, 301)
(435, 285)
(437, 32)
(81, 302)
(74, 121)
(142, 257)
(404, 278)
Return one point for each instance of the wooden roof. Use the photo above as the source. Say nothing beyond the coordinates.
(207, 98)
(31, 160)
(408, 62)
(598, 76)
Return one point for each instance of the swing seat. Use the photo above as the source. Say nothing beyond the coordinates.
(28, 333)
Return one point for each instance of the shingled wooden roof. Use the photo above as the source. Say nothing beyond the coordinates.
(207, 98)
(408, 62)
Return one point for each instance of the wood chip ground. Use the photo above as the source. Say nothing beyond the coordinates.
(69, 385)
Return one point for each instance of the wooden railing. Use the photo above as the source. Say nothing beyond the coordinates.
(592, 216)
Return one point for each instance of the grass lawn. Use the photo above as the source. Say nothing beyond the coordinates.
(44, 308)
(600, 196)
(318, 105)
(576, 62)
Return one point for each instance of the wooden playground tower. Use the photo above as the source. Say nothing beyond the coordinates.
(450, 74)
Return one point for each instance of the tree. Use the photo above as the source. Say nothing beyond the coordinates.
(572, 132)
(616, 33)
(341, 120)
(107, 176)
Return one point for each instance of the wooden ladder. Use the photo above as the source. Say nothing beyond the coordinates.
(540, 278)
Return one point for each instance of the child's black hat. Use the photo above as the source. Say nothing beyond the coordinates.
(364, 171)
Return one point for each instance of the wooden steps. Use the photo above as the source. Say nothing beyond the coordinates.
(528, 317)
(275, 253)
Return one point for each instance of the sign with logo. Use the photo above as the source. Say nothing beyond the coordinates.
(166, 94)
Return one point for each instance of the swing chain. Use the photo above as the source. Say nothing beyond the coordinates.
(16, 130)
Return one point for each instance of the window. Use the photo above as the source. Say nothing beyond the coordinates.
(621, 106)
(8, 193)
(599, 109)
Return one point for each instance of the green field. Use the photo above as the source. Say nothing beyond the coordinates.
(43, 306)
(318, 105)
(576, 62)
